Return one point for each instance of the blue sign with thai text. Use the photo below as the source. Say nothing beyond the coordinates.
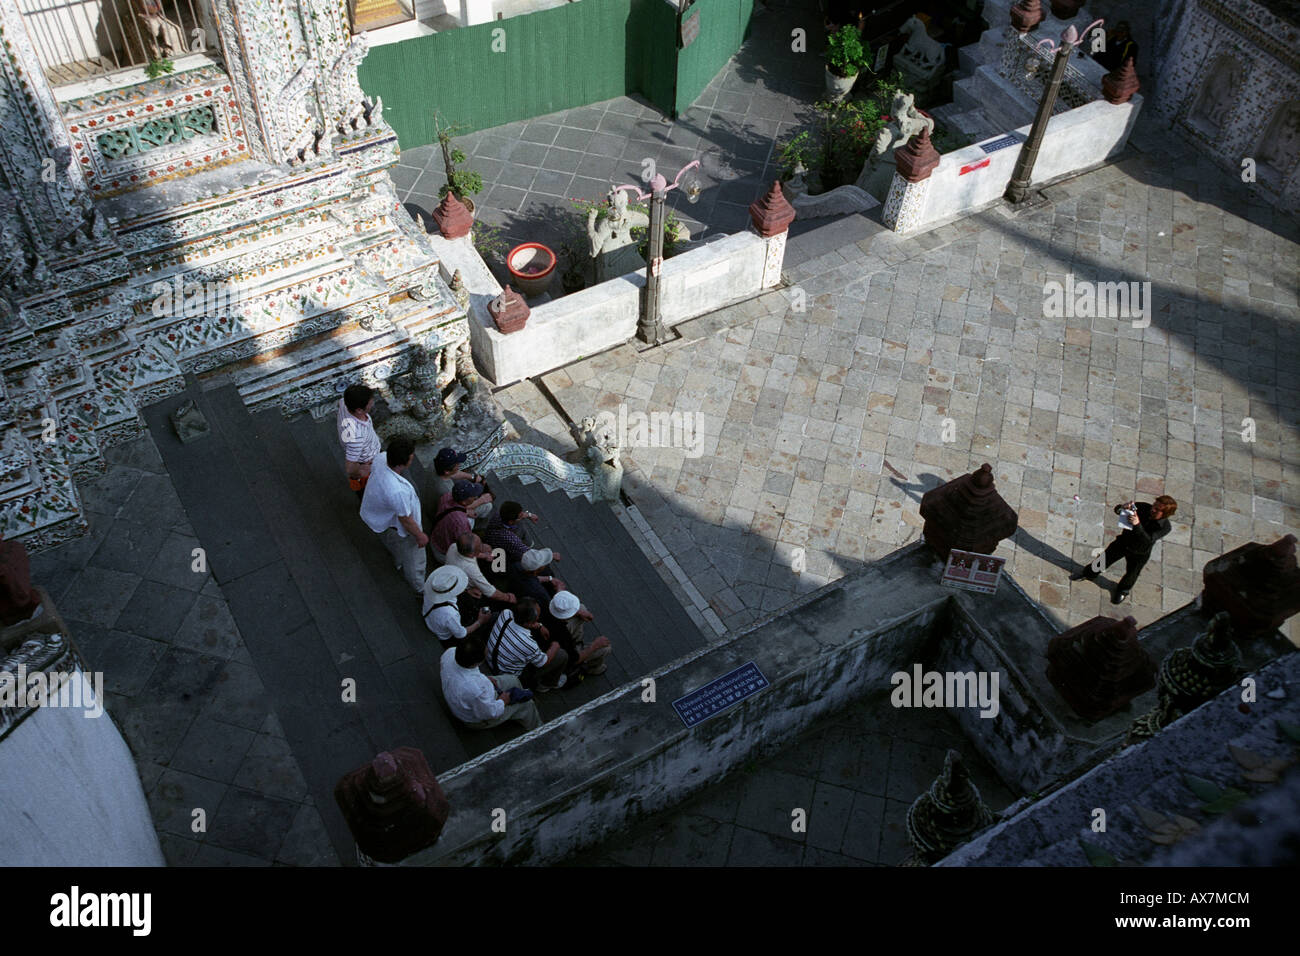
(1002, 142)
(717, 695)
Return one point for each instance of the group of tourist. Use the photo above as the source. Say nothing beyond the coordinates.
(508, 625)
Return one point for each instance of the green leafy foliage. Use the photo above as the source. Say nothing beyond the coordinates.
(846, 54)
(156, 68)
(462, 182)
(489, 242)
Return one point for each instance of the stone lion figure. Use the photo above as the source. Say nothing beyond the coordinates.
(922, 50)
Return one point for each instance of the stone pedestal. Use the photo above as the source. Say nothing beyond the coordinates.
(393, 805)
(771, 216)
(914, 162)
(452, 218)
(1026, 15)
(509, 311)
(947, 815)
(1098, 667)
(1119, 85)
(1189, 676)
(967, 513)
(1257, 585)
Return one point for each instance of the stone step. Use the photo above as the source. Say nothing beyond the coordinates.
(313, 372)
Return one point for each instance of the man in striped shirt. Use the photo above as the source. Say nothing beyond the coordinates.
(515, 648)
(357, 435)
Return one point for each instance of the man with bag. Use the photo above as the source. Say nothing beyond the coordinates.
(453, 517)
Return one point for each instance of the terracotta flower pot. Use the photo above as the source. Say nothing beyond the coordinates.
(532, 267)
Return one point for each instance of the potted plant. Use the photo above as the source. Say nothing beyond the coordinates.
(462, 182)
(846, 56)
(532, 267)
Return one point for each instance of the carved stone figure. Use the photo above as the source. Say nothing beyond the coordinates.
(1218, 95)
(922, 60)
(922, 51)
(612, 245)
(905, 122)
(418, 395)
(1280, 147)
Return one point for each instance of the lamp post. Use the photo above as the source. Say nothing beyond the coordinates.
(650, 329)
(1018, 187)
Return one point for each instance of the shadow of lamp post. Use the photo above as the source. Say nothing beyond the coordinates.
(650, 328)
(1018, 187)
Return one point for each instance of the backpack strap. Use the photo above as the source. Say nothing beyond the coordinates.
(439, 604)
(499, 632)
(442, 514)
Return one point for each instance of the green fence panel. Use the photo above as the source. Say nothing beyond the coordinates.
(723, 24)
(552, 60)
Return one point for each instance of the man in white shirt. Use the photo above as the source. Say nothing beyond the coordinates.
(357, 435)
(464, 555)
(391, 509)
(480, 701)
(441, 612)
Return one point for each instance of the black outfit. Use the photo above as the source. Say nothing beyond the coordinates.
(1134, 546)
(1116, 52)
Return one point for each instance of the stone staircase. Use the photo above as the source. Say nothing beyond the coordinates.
(294, 283)
(985, 102)
(1142, 788)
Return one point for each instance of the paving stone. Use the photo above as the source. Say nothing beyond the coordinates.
(155, 609)
(212, 749)
(208, 627)
(251, 823)
(98, 595)
(307, 843)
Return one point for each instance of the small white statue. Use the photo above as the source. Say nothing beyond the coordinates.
(922, 51)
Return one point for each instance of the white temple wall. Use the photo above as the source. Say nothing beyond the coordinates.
(71, 795)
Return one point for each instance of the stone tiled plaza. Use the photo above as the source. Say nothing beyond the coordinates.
(824, 427)
(226, 590)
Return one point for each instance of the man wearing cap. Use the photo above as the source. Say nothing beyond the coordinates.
(357, 435)
(515, 648)
(479, 701)
(391, 509)
(452, 519)
(565, 619)
(531, 577)
(469, 548)
(441, 614)
(447, 471)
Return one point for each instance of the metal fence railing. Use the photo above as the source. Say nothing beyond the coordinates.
(79, 39)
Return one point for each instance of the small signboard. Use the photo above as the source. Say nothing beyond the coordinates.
(717, 695)
(690, 27)
(1002, 142)
(882, 55)
(972, 572)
